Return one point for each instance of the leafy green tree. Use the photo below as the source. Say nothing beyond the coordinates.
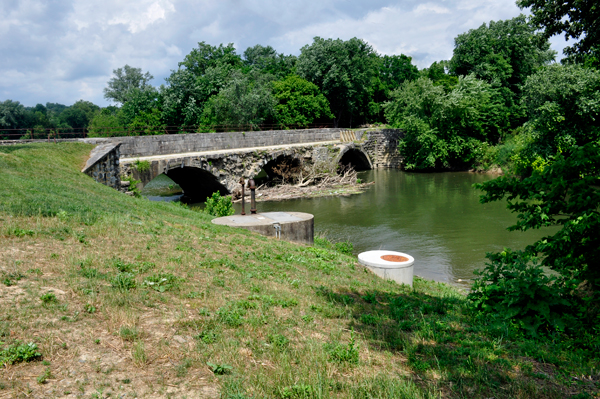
(445, 130)
(124, 80)
(577, 19)
(266, 59)
(504, 54)
(299, 102)
(343, 71)
(396, 69)
(79, 114)
(107, 123)
(438, 73)
(200, 59)
(246, 102)
(564, 194)
(563, 106)
(12, 114)
(202, 74)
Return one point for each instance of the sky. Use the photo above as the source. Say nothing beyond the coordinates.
(61, 51)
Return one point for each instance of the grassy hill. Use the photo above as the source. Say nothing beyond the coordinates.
(104, 295)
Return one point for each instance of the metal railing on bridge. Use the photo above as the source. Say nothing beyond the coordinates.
(120, 131)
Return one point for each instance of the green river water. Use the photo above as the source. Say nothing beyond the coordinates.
(435, 217)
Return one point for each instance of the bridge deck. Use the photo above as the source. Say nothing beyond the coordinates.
(227, 151)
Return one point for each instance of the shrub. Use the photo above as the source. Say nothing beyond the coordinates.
(219, 206)
(514, 286)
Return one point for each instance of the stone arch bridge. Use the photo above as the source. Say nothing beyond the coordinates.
(203, 163)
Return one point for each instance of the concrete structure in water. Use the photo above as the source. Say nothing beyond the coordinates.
(288, 226)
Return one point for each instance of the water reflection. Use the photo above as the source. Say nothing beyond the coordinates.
(436, 217)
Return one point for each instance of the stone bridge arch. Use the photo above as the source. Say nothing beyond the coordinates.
(354, 155)
(200, 176)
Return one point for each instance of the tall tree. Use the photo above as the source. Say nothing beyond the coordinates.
(577, 19)
(269, 61)
(299, 102)
(343, 70)
(503, 53)
(124, 80)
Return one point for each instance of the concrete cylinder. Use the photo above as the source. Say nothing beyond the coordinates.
(389, 265)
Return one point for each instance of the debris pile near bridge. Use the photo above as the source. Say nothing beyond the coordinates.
(322, 180)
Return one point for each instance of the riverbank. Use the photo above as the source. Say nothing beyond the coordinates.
(124, 296)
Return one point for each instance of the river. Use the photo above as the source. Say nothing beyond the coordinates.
(435, 217)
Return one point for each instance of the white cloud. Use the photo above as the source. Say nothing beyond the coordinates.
(63, 51)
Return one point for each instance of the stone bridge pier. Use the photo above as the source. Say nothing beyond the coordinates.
(205, 163)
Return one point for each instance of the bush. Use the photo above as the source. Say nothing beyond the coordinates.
(514, 286)
(219, 206)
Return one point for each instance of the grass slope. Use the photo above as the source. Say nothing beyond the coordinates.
(103, 295)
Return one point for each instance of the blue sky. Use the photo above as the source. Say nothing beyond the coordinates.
(65, 50)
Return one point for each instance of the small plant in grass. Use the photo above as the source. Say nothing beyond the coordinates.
(208, 337)
(123, 282)
(162, 282)
(182, 368)
(219, 206)
(49, 298)
(298, 391)
(231, 316)
(89, 308)
(45, 376)
(138, 353)
(219, 369)
(129, 333)
(369, 319)
(344, 353)
(278, 340)
(19, 352)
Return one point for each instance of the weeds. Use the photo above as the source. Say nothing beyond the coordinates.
(19, 352)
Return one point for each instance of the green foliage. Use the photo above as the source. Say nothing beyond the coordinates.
(343, 71)
(503, 53)
(49, 298)
(344, 353)
(298, 391)
(219, 369)
(18, 352)
(445, 130)
(129, 333)
(267, 60)
(513, 286)
(564, 194)
(246, 101)
(107, 123)
(563, 106)
(124, 81)
(577, 19)
(299, 102)
(219, 206)
(142, 166)
(123, 282)
(162, 282)
(43, 378)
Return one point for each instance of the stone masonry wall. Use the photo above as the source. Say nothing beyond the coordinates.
(382, 147)
(103, 165)
(182, 143)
